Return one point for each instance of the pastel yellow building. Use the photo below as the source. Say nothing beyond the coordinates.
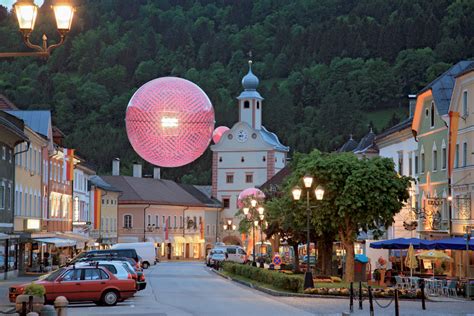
(462, 180)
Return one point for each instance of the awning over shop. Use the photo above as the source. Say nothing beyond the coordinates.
(58, 242)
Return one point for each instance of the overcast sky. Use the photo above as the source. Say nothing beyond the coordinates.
(8, 3)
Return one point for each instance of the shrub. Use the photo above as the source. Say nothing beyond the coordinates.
(279, 280)
(35, 290)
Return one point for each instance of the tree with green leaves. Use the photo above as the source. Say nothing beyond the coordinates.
(360, 195)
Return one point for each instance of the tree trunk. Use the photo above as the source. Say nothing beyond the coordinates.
(296, 259)
(349, 269)
(347, 239)
(325, 255)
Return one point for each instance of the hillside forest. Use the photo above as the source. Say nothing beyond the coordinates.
(328, 68)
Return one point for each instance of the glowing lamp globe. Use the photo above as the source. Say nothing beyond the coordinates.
(218, 132)
(247, 194)
(169, 121)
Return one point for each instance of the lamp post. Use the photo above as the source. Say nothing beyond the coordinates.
(468, 237)
(26, 13)
(319, 193)
(229, 226)
(251, 216)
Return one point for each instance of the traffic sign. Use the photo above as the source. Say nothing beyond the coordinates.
(276, 259)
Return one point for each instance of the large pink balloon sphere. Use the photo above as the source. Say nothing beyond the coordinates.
(169, 121)
(218, 132)
(247, 193)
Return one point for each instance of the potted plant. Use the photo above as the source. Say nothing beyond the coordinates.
(37, 291)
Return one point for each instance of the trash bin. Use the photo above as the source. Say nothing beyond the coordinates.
(360, 265)
(469, 288)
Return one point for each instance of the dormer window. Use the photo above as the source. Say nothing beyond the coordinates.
(432, 118)
(246, 105)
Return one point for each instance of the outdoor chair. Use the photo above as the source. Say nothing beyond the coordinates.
(399, 282)
(450, 288)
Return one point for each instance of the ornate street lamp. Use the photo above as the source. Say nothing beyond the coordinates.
(229, 225)
(26, 13)
(319, 193)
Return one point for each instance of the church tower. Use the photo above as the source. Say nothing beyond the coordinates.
(250, 101)
(246, 156)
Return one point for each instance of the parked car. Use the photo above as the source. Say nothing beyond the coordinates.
(82, 283)
(118, 268)
(138, 275)
(208, 257)
(218, 256)
(129, 253)
(146, 250)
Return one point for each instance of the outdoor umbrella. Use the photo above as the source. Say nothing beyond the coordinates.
(410, 260)
(434, 255)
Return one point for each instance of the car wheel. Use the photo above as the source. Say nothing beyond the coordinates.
(110, 298)
(145, 265)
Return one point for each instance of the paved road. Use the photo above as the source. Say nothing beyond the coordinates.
(189, 288)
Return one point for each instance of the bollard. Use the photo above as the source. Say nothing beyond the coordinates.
(61, 305)
(351, 297)
(360, 295)
(422, 289)
(23, 309)
(397, 311)
(30, 303)
(371, 303)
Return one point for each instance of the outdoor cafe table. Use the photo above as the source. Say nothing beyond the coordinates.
(434, 285)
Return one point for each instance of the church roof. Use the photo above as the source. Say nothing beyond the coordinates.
(442, 87)
(250, 83)
(271, 139)
(348, 146)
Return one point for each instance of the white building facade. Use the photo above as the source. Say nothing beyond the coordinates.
(399, 144)
(246, 156)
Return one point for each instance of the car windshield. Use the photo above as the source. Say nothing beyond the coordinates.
(218, 252)
(52, 275)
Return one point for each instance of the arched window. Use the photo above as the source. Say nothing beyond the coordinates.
(246, 105)
(127, 221)
(258, 105)
(432, 121)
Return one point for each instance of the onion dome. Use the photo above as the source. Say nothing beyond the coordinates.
(250, 81)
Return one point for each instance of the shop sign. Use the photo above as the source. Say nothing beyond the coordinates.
(33, 224)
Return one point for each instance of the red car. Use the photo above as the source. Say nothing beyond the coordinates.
(86, 283)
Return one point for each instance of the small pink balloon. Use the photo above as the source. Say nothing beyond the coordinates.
(218, 132)
(254, 192)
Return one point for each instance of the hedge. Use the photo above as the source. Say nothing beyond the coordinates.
(279, 280)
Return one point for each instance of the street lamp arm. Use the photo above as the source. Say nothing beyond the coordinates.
(43, 51)
(28, 43)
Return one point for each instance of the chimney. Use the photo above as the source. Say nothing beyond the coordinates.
(137, 170)
(156, 173)
(116, 167)
(411, 104)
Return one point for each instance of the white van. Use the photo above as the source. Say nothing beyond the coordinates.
(146, 250)
(234, 253)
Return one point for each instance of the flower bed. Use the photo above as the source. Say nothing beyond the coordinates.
(379, 293)
(279, 280)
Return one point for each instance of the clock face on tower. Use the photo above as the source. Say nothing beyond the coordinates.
(242, 136)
